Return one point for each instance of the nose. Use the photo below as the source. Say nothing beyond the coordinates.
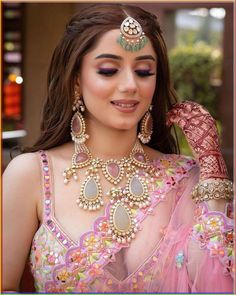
(128, 83)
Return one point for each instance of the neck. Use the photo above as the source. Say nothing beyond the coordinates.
(107, 143)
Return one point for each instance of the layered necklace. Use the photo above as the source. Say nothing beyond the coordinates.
(134, 194)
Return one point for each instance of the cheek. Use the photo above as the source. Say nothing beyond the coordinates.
(148, 89)
(93, 87)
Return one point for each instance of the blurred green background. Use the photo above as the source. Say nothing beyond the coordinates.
(196, 61)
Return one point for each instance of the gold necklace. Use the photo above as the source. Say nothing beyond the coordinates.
(133, 194)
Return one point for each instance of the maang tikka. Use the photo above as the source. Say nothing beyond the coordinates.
(146, 127)
(132, 37)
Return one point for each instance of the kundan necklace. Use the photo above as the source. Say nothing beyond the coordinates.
(134, 194)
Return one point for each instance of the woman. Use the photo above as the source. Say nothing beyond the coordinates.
(121, 218)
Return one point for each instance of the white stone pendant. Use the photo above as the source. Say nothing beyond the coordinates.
(90, 194)
(122, 224)
(137, 192)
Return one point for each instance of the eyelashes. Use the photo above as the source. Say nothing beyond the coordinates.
(110, 72)
(107, 72)
(144, 73)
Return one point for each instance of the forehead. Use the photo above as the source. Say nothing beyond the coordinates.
(107, 43)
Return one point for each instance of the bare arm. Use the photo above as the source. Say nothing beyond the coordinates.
(21, 194)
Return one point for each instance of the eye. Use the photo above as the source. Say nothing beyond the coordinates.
(107, 72)
(144, 73)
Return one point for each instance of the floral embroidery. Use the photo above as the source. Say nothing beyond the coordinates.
(214, 231)
(46, 252)
(61, 266)
(52, 258)
(95, 270)
(179, 259)
(63, 275)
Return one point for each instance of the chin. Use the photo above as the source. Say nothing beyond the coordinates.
(126, 127)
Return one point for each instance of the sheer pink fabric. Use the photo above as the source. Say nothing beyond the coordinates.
(179, 248)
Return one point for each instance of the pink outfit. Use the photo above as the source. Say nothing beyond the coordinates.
(180, 247)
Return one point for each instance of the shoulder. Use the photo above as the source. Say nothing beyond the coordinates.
(23, 165)
(22, 177)
(22, 187)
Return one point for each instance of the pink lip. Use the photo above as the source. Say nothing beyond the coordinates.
(125, 105)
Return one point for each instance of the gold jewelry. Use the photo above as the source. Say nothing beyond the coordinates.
(78, 102)
(146, 127)
(79, 136)
(132, 37)
(213, 189)
(122, 225)
(134, 193)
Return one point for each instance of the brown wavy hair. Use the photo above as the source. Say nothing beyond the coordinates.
(81, 35)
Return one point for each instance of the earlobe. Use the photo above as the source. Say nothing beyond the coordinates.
(77, 81)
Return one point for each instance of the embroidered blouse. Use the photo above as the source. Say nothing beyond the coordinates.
(180, 246)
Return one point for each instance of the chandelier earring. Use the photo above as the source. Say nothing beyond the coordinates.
(146, 127)
(77, 122)
(81, 154)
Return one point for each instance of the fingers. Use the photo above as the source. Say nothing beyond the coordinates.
(184, 112)
(179, 114)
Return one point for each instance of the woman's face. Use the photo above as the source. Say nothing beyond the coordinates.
(117, 85)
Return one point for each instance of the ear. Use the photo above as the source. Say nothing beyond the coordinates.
(77, 82)
(77, 85)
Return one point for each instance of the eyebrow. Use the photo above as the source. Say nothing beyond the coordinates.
(117, 57)
(108, 55)
(142, 57)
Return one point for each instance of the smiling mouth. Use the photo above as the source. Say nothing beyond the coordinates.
(126, 105)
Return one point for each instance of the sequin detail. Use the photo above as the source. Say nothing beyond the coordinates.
(214, 231)
(48, 204)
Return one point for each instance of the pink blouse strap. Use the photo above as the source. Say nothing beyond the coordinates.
(47, 185)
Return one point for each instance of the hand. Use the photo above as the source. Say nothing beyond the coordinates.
(200, 130)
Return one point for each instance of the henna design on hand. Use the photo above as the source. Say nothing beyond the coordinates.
(200, 130)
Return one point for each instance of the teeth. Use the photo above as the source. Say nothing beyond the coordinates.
(125, 105)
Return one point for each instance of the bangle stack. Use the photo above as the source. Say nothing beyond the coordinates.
(213, 189)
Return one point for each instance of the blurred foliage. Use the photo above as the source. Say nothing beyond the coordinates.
(190, 37)
(195, 70)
